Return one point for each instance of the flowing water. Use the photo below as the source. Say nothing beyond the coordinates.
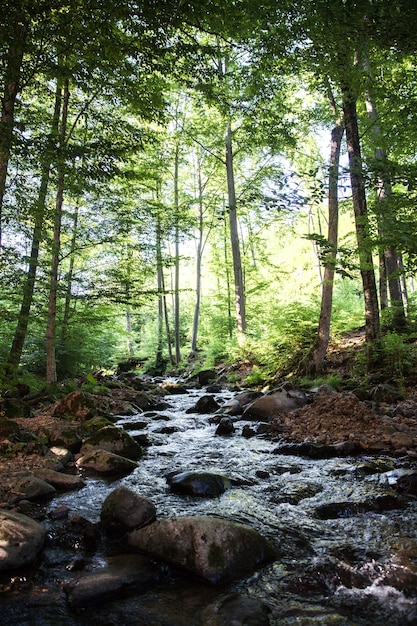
(357, 569)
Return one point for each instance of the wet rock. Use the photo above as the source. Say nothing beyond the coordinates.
(377, 504)
(203, 484)
(248, 432)
(407, 484)
(316, 450)
(205, 377)
(21, 540)
(61, 512)
(60, 481)
(114, 440)
(274, 403)
(205, 404)
(225, 427)
(104, 462)
(125, 510)
(293, 492)
(217, 550)
(174, 388)
(122, 576)
(214, 388)
(33, 488)
(236, 610)
(232, 407)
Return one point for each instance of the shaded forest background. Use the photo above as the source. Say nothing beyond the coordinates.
(191, 183)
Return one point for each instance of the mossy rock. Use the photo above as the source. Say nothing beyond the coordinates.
(114, 440)
(8, 429)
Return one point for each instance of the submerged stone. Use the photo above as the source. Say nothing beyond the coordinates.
(204, 484)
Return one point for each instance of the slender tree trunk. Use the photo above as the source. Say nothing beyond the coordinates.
(177, 337)
(229, 291)
(199, 256)
(384, 194)
(372, 320)
(13, 68)
(323, 335)
(29, 285)
(234, 238)
(51, 372)
(68, 291)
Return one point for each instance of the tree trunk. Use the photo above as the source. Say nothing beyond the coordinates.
(384, 194)
(177, 338)
(51, 372)
(199, 256)
(323, 335)
(372, 321)
(234, 238)
(29, 285)
(11, 89)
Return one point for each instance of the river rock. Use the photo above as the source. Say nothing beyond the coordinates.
(334, 510)
(114, 440)
(33, 488)
(225, 426)
(407, 484)
(236, 610)
(273, 403)
(127, 574)
(205, 404)
(63, 434)
(203, 484)
(125, 510)
(105, 462)
(21, 540)
(173, 388)
(215, 549)
(61, 482)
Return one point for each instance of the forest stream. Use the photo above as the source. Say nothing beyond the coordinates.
(352, 568)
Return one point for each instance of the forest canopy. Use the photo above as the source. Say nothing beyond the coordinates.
(186, 183)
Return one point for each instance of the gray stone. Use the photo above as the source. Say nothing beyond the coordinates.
(21, 540)
(215, 549)
(61, 482)
(203, 484)
(121, 576)
(124, 510)
(114, 440)
(104, 462)
(33, 488)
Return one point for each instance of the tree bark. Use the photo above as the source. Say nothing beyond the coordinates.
(323, 335)
(234, 238)
(199, 256)
(29, 285)
(384, 193)
(11, 89)
(51, 371)
(177, 338)
(372, 320)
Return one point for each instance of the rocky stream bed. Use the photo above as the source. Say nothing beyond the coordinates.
(157, 504)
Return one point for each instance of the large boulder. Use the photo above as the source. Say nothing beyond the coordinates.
(114, 440)
(274, 403)
(125, 510)
(104, 462)
(215, 549)
(21, 540)
(203, 484)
